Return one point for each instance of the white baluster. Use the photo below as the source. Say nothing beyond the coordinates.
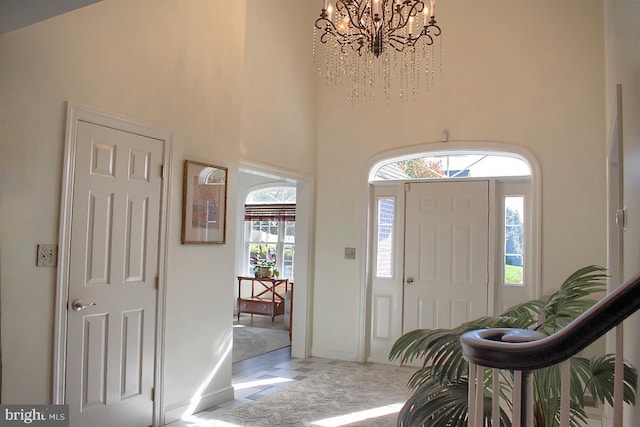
(495, 404)
(618, 390)
(479, 405)
(517, 397)
(565, 396)
(471, 400)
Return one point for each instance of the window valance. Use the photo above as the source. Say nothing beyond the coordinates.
(270, 212)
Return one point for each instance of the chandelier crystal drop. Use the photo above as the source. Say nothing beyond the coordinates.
(362, 45)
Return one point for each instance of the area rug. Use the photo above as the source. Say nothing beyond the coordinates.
(249, 341)
(349, 394)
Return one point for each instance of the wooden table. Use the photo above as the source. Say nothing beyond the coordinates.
(267, 297)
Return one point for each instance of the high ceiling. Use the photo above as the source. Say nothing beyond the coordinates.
(16, 14)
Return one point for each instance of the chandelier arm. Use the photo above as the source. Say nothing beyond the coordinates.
(428, 40)
(361, 12)
(329, 29)
(394, 13)
(352, 12)
(398, 47)
(416, 8)
(436, 29)
(323, 23)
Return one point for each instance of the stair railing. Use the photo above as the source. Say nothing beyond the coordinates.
(522, 351)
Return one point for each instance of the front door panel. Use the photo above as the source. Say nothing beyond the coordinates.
(446, 254)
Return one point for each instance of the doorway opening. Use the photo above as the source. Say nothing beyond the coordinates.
(275, 229)
(448, 216)
(262, 315)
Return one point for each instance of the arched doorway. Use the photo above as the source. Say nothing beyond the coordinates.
(252, 173)
(453, 235)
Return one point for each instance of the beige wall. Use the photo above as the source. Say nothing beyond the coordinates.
(278, 111)
(525, 73)
(514, 72)
(623, 67)
(173, 64)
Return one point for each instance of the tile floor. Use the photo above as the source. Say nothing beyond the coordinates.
(266, 374)
(251, 387)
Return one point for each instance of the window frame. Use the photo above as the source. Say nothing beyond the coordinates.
(281, 242)
(392, 237)
(503, 237)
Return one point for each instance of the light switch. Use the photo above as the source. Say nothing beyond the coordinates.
(349, 253)
(47, 255)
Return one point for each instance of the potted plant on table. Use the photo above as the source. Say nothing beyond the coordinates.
(264, 269)
(439, 388)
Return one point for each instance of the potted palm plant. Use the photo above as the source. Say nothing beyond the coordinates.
(439, 388)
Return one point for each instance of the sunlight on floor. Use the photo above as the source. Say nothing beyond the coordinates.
(344, 420)
(195, 399)
(261, 382)
(208, 423)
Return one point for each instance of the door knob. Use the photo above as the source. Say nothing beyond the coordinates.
(78, 305)
(410, 280)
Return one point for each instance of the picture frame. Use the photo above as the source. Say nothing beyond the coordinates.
(204, 203)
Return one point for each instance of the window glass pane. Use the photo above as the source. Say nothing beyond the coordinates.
(287, 265)
(384, 256)
(272, 231)
(289, 232)
(514, 240)
(458, 165)
(272, 195)
(261, 252)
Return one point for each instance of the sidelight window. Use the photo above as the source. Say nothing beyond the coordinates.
(384, 236)
(514, 243)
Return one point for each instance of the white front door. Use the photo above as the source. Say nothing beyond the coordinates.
(114, 265)
(446, 254)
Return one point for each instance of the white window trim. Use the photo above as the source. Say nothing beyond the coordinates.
(247, 230)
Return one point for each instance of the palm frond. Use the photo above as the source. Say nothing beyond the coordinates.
(571, 300)
(596, 375)
(436, 404)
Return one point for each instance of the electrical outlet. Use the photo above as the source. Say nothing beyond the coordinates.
(47, 255)
(349, 253)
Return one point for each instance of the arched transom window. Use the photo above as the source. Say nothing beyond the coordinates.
(450, 165)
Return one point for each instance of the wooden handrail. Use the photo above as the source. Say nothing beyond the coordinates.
(495, 349)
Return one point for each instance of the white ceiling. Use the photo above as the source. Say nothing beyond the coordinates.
(16, 14)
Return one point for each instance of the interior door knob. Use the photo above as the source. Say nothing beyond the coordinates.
(410, 280)
(78, 305)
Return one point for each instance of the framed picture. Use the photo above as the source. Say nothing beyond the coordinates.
(204, 203)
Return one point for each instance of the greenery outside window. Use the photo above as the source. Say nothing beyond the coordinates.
(270, 229)
(450, 165)
(514, 240)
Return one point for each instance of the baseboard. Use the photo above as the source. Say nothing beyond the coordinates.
(383, 361)
(332, 354)
(206, 402)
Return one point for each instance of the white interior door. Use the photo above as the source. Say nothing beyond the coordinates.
(114, 265)
(446, 253)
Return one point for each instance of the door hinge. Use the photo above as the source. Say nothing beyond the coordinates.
(157, 282)
(162, 171)
(153, 394)
(407, 186)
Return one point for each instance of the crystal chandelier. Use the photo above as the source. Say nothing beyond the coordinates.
(365, 44)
